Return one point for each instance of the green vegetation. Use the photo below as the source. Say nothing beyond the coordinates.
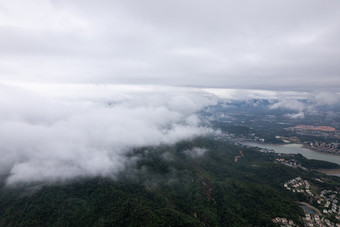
(315, 164)
(267, 134)
(166, 187)
(236, 129)
(271, 139)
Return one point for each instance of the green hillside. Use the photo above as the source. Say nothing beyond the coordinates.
(167, 186)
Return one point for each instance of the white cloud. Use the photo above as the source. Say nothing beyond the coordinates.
(312, 101)
(326, 98)
(293, 105)
(290, 104)
(195, 152)
(296, 115)
(51, 138)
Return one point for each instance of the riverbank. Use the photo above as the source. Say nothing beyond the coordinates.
(297, 148)
(329, 171)
(316, 150)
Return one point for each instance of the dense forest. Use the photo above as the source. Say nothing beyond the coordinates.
(168, 186)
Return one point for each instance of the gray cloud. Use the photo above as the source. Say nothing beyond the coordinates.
(326, 98)
(290, 104)
(294, 105)
(311, 102)
(52, 138)
(290, 45)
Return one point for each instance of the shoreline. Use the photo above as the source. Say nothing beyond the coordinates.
(302, 145)
(310, 207)
(328, 171)
(297, 148)
(323, 152)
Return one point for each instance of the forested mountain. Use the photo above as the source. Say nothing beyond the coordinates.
(202, 182)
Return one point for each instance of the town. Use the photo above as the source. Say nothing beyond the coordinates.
(318, 131)
(326, 200)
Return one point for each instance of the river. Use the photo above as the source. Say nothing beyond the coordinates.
(298, 148)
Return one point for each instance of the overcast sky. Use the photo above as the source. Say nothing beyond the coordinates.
(286, 45)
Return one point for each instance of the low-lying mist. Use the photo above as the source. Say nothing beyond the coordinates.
(53, 136)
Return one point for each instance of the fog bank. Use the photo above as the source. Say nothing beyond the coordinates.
(56, 136)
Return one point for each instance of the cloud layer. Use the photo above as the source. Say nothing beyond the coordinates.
(51, 138)
(265, 44)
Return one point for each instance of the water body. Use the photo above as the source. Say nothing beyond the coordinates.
(298, 149)
(308, 209)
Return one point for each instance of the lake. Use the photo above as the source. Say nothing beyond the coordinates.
(298, 148)
(308, 209)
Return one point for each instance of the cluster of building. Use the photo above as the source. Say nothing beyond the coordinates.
(298, 185)
(284, 222)
(255, 138)
(229, 137)
(325, 147)
(287, 160)
(327, 200)
(314, 220)
(317, 128)
(238, 139)
(311, 130)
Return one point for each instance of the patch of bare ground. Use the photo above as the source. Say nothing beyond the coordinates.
(237, 157)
